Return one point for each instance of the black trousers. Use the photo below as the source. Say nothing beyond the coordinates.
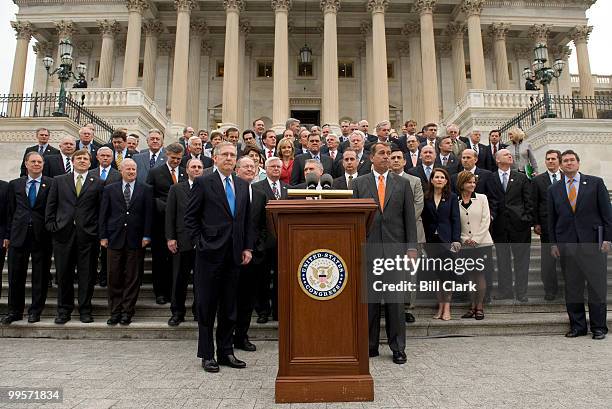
(265, 288)
(162, 264)
(591, 266)
(548, 266)
(2, 257)
(103, 264)
(395, 326)
(18, 258)
(216, 284)
(81, 253)
(182, 266)
(247, 281)
(123, 280)
(513, 248)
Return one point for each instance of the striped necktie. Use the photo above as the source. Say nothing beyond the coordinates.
(571, 194)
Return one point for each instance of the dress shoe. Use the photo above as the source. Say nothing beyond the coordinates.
(32, 318)
(399, 357)
(86, 318)
(113, 320)
(410, 318)
(7, 319)
(372, 353)
(125, 319)
(574, 333)
(522, 298)
(550, 297)
(245, 345)
(210, 365)
(161, 300)
(262, 319)
(232, 362)
(175, 320)
(62, 319)
(599, 334)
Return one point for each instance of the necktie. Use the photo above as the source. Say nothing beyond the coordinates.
(103, 174)
(571, 195)
(317, 158)
(381, 192)
(229, 193)
(127, 195)
(494, 149)
(41, 149)
(332, 154)
(475, 147)
(350, 182)
(79, 185)
(428, 172)
(152, 161)
(269, 153)
(444, 159)
(32, 193)
(554, 176)
(414, 159)
(505, 180)
(174, 181)
(68, 165)
(275, 191)
(119, 158)
(431, 143)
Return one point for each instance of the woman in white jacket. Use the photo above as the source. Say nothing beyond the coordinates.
(476, 242)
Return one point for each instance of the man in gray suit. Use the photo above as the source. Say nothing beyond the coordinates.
(393, 233)
(150, 158)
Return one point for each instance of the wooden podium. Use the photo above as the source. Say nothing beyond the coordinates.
(323, 321)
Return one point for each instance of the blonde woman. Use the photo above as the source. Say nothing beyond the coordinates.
(521, 151)
(286, 151)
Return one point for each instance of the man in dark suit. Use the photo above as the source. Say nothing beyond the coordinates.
(408, 130)
(446, 158)
(349, 164)
(266, 301)
(61, 163)
(393, 233)
(218, 218)
(86, 141)
(301, 142)
(26, 236)
(120, 148)
(580, 227)
(126, 216)
(541, 183)
(161, 178)
(132, 142)
(269, 144)
(196, 152)
(364, 127)
(357, 142)
(424, 170)
(43, 147)
(430, 133)
(468, 162)
(72, 218)
(511, 205)
(412, 152)
(4, 187)
(152, 157)
(479, 148)
(491, 150)
(314, 147)
(179, 241)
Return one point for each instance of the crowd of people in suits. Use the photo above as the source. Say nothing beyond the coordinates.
(199, 203)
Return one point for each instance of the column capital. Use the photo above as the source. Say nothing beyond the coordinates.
(365, 28)
(561, 51)
(165, 47)
(472, 7)
(23, 29)
(42, 48)
(424, 6)
(136, 5)
(580, 34)
(539, 33)
(233, 5)
(65, 28)
(198, 28)
(378, 6)
(523, 51)
(84, 47)
(185, 5)
(404, 49)
(281, 5)
(443, 48)
(152, 28)
(245, 27)
(456, 29)
(498, 31)
(206, 48)
(330, 6)
(411, 29)
(108, 27)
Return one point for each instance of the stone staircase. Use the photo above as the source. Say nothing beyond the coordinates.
(504, 317)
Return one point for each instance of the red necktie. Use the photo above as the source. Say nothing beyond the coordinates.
(269, 153)
(333, 154)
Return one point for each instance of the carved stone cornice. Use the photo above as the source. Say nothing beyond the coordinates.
(455, 29)
(198, 28)
(404, 49)
(472, 7)
(42, 48)
(539, 33)
(498, 31)
(560, 51)
(185, 5)
(65, 28)
(281, 5)
(152, 27)
(331, 6)
(424, 6)
(365, 28)
(378, 6)
(23, 29)
(580, 34)
(165, 47)
(206, 48)
(236, 5)
(411, 29)
(136, 5)
(109, 27)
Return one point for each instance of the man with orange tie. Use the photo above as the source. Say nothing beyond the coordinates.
(161, 178)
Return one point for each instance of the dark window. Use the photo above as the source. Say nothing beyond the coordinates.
(219, 69)
(510, 71)
(468, 72)
(140, 68)
(390, 71)
(345, 70)
(305, 69)
(97, 69)
(264, 69)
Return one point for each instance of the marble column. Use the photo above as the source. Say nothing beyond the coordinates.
(231, 76)
(366, 31)
(163, 75)
(498, 32)
(243, 68)
(178, 110)
(524, 56)
(132, 45)
(329, 102)
(41, 49)
(151, 29)
(379, 54)
(23, 32)
(472, 10)
(564, 84)
(404, 53)
(65, 31)
(204, 84)
(108, 28)
(280, 93)
(413, 31)
(198, 30)
(539, 33)
(431, 110)
(580, 37)
(456, 32)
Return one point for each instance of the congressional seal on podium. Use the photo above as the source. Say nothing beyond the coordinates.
(322, 274)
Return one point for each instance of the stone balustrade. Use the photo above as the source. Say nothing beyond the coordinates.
(600, 81)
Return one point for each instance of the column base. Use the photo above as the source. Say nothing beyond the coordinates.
(173, 132)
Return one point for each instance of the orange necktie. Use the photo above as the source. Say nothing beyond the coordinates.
(381, 192)
(571, 195)
(174, 176)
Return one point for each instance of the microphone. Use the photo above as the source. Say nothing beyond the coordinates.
(311, 181)
(326, 181)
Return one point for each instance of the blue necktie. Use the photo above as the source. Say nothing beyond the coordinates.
(103, 174)
(32, 193)
(428, 172)
(229, 193)
(152, 162)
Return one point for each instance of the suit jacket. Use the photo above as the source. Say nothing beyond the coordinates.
(483, 157)
(259, 224)
(363, 168)
(160, 179)
(297, 174)
(393, 229)
(491, 164)
(444, 219)
(210, 221)
(126, 226)
(128, 154)
(458, 148)
(4, 200)
(264, 186)
(66, 213)
(540, 185)
(176, 206)
(142, 160)
(453, 166)
(20, 215)
(482, 177)
(54, 166)
(340, 183)
(112, 176)
(511, 210)
(592, 221)
(50, 150)
(206, 161)
(268, 238)
(419, 172)
(419, 197)
(476, 220)
(93, 151)
(409, 160)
